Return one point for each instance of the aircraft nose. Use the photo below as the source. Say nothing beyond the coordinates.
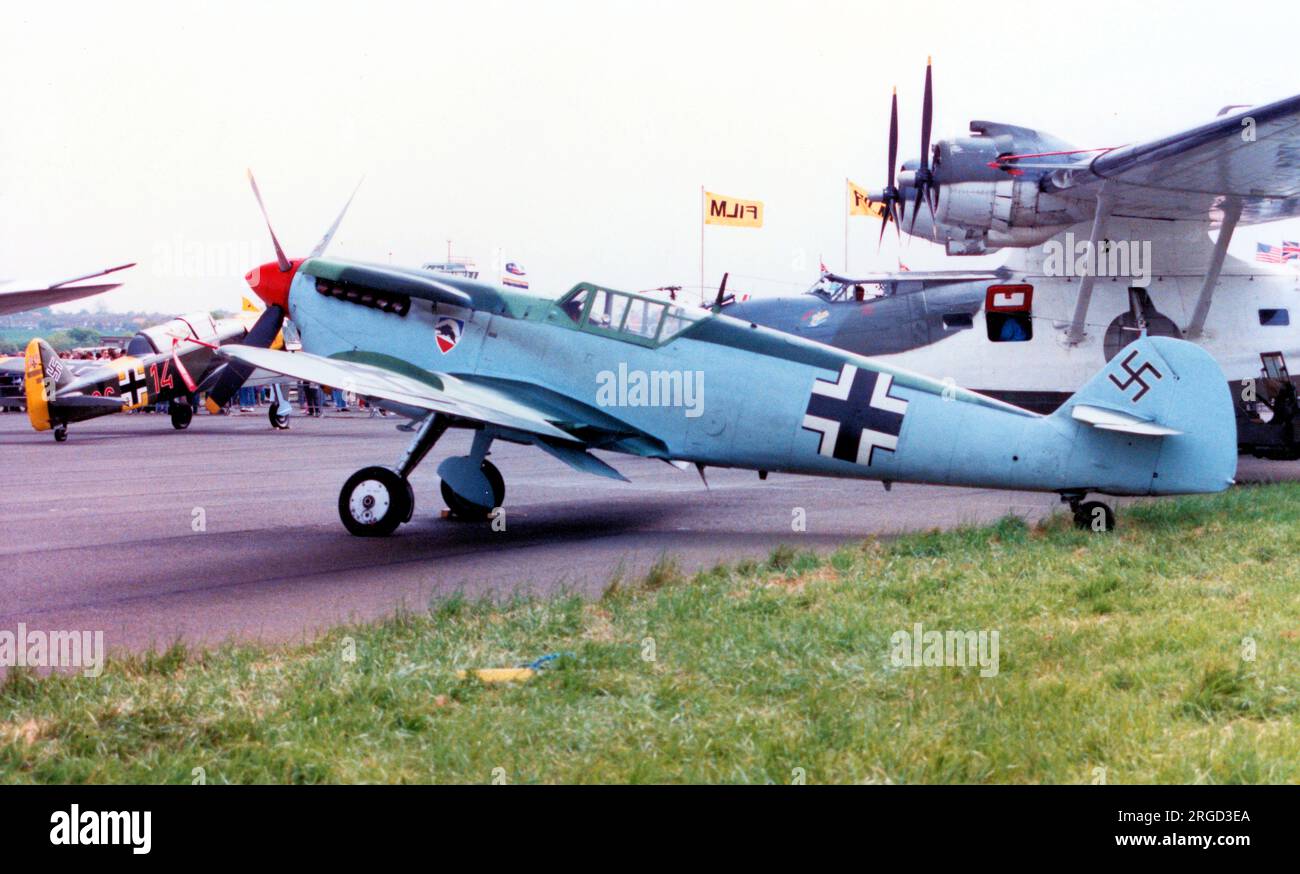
(271, 284)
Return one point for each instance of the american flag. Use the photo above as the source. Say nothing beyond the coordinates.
(1269, 254)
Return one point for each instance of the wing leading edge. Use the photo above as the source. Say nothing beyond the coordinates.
(1252, 155)
(436, 392)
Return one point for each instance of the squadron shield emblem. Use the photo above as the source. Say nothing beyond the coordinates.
(447, 333)
(855, 415)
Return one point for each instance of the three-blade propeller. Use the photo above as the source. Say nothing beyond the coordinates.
(269, 324)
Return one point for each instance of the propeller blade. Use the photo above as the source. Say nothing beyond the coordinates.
(927, 116)
(285, 266)
(329, 235)
(233, 376)
(916, 210)
(722, 290)
(893, 137)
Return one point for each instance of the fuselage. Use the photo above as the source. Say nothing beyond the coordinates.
(760, 399)
(153, 370)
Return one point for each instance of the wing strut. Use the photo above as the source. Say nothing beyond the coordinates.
(1231, 212)
(1105, 200)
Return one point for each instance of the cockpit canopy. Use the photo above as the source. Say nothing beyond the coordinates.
(159, 337)
(836, 289)
(626, 316)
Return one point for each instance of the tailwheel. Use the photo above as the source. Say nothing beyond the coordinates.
(60, 433)
(182, 414)
(472, 511)
(1094, 516)
(374, 501)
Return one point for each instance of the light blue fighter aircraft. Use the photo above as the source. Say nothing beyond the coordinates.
(621, 372)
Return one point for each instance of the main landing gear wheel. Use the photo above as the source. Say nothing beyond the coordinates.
(182, 415)
(374, 501)
(1094, 516)
(277, 420)
(60, 433)
(469, 510)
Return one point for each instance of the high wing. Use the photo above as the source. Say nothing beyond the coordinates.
(1251, 156)
(17, 300)
(437, 392)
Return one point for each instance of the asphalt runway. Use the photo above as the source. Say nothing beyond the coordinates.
(99, 532)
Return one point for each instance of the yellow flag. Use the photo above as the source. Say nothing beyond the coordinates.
(722, 210)
(862, 204)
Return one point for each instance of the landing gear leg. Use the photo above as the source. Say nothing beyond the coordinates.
(471, 485)
(182, 414)
(376, 500)
(1092, 516)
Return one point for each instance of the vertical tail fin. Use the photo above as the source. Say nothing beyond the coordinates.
(1162, 402)
(43, 373)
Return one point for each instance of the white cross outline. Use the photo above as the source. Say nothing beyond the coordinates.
(829, 429)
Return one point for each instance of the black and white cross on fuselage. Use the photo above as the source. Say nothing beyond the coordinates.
(855, 415)
(133, 383)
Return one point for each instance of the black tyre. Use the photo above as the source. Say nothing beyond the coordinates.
(182, 415)
(498, 483)
(461, 508)
(60, 433)
(277, 420)
(1094, 516)
(374, 501)
(469, 510)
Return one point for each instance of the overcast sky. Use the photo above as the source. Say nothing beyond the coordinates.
(571, 137)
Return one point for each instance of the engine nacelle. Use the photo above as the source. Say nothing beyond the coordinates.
(982, 205)
(1005, 205)
(976, 216)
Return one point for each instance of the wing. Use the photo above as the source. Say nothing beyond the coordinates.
(1253, 155)
(17, 300)
(22, 299)
(88, 402)
(437, 392)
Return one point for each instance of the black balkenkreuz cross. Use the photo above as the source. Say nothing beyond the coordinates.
(855, 415)
(133, 383)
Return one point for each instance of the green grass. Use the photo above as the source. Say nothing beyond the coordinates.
(1121, 652)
